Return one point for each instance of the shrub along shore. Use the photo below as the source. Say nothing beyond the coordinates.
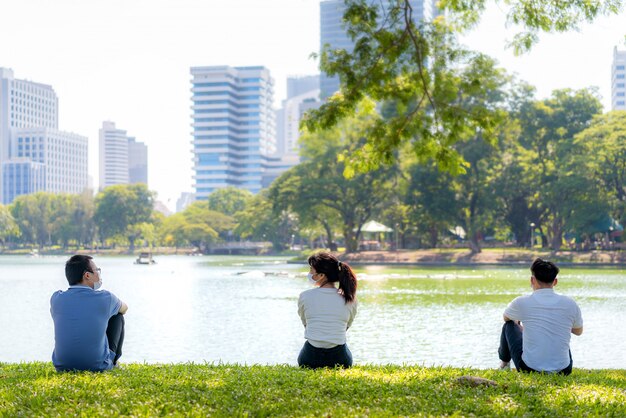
(35, 389)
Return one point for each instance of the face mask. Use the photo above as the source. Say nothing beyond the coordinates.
(97, 285)
(311, 279)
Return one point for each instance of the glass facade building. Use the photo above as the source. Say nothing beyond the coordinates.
(21, 176)
(233, 127)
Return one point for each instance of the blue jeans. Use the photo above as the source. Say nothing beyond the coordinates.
(511, 340)
(313, 357)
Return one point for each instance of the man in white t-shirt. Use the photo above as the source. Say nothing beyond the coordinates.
(538, 327)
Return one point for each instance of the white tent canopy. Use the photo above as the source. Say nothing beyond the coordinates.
(373, 226)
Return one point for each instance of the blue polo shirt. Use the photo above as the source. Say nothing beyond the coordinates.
(81, 316)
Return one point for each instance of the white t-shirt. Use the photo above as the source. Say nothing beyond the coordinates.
(548, 319)
(326, 316)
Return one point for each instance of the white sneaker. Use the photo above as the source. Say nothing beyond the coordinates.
(505, 365)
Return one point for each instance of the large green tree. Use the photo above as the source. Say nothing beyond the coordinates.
(119, 208)
(8, 226)
(34, 214)
(229, 200)
(259, 221)
(318, 188)
(441, 89)
(603, 156)
(547, 155)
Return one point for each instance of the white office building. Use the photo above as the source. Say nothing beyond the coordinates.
(63, 156)
(618, 80)
(123, 160)
(113, 155)
(23, 104)
(333, 33)
(35, 155)
(233, 127)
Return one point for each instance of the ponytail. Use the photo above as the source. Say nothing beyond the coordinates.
(336, 271)
(347, 282)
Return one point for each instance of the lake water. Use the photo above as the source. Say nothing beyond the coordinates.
(244, 310)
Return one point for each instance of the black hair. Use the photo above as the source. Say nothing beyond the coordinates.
(335, 271)
(75, 267)
(544, 271)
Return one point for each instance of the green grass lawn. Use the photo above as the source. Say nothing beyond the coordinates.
(35, 389)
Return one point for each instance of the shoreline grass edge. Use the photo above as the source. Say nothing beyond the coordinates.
(36, 389)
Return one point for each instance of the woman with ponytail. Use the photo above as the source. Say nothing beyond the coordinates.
(327, 312)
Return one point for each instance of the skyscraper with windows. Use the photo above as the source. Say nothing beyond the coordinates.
(123, 159)
(63, 155)
(113, 155)
(34, 154)
(333, 33)
(618, 80)
(23, 104)
(233, 127)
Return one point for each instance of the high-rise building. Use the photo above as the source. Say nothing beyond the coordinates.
(618, 80)
(234, 129)
(23, 104)
(113, 155)
(137, 162)
(333, 33)
(123, 159)
(34, 154)
(63, 154)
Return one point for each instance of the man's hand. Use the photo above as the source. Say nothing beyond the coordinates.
(123, 308)
(577, 331)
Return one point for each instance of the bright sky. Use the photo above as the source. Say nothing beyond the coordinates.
(128, 61)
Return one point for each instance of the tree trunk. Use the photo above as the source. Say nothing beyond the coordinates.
(556, 234)
(433, 234)
(329, 235)
(474, 244)
(352, 243)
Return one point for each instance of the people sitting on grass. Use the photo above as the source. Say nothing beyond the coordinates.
(537, 329)
(327, 312)
(88, 323)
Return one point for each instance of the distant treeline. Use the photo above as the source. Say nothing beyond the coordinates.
(557, 168)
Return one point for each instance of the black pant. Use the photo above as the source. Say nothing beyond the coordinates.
(314, 357)
(511, 343)
(115, 335)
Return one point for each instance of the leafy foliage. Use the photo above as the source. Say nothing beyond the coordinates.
(119, 208)
(440, 90)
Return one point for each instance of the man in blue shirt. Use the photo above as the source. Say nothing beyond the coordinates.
(88, 323)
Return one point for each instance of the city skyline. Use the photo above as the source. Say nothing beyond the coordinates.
(129, 62)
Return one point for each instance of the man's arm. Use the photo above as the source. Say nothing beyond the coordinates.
(123, 308)
(577, 331)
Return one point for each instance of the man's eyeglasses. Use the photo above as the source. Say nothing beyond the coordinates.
(99, 270)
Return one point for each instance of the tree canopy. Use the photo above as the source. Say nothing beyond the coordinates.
(439, 90)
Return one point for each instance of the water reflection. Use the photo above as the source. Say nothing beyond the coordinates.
(226, 309)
